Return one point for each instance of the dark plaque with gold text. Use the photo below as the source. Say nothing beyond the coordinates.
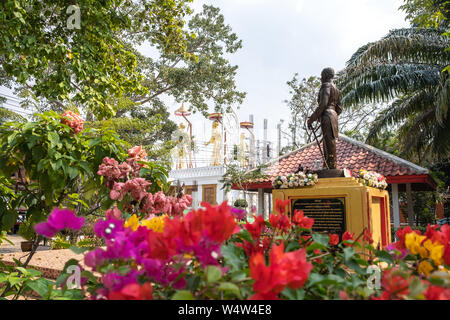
(328, 213)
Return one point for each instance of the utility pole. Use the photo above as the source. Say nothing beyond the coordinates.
(279, 139)
(264, 146)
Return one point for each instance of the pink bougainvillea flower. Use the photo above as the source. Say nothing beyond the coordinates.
(109, 228)
(239, 214)
(113, 213)
(138, 153)
(73, 120)
(58, 220)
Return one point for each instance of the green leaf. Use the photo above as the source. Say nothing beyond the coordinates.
(245, 235)
(183, 295)
(315, 246)
(231, 288)
(233, 256)
(53, 137)
(385, 256)
(349, 252)
(320, 238)
(292, 294)
(78, 250)
(40, 286)
(213, 274)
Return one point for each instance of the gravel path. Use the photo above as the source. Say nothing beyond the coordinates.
(6, 247)
(50, 262)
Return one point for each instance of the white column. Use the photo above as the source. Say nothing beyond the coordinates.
(395, 205)
(261, 202)
(409, 205)
(195, 200)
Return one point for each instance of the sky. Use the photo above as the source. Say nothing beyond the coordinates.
(284, 37)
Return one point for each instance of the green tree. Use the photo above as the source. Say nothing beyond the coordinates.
(207, 80)
(146, 126)
(427, 13)
(42, 50)
(404, 69)
(44, 164)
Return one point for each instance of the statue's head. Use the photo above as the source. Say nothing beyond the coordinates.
(327, 74)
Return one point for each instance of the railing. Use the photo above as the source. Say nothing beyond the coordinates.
(197, 172)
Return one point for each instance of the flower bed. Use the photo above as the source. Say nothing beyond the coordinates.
(206, 254)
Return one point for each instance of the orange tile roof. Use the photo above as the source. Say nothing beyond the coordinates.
(351, 154)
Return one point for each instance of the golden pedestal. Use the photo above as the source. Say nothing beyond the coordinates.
(340, 204)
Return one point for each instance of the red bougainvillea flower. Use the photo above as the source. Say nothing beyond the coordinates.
(268, 279)
(133, 291)
(285, 269)
(280, 222)
(334, 239)
(437, 293)
(280, 206)
(395, 284)
(58, 220)
(255, 229)
(401, 234)
(302, 221)
(73, 120)
(368, 236)
(197, 232)
(348, 236)
(447, 255)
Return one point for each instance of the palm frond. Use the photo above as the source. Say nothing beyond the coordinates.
(401, 109)
(388, 84)
(418, 45)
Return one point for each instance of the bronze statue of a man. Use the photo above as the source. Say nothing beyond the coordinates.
(328, 111)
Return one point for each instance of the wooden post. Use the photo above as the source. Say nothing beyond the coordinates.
(395, 205)
(410, 205)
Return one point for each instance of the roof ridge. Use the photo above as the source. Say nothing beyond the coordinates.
(384, 154)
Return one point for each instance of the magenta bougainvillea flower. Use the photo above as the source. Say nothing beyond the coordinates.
(58, 220)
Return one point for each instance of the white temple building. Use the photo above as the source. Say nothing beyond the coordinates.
(199, 162)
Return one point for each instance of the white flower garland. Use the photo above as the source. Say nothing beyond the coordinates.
(297, 180)
(371, 179)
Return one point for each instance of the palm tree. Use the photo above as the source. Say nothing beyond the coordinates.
(405, 69)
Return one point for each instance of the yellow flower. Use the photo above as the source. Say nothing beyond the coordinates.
(155, 224)
(425, 267)
(423, 252)
(436, 254)
(132, 222)
(413, 241)
(428, 245)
